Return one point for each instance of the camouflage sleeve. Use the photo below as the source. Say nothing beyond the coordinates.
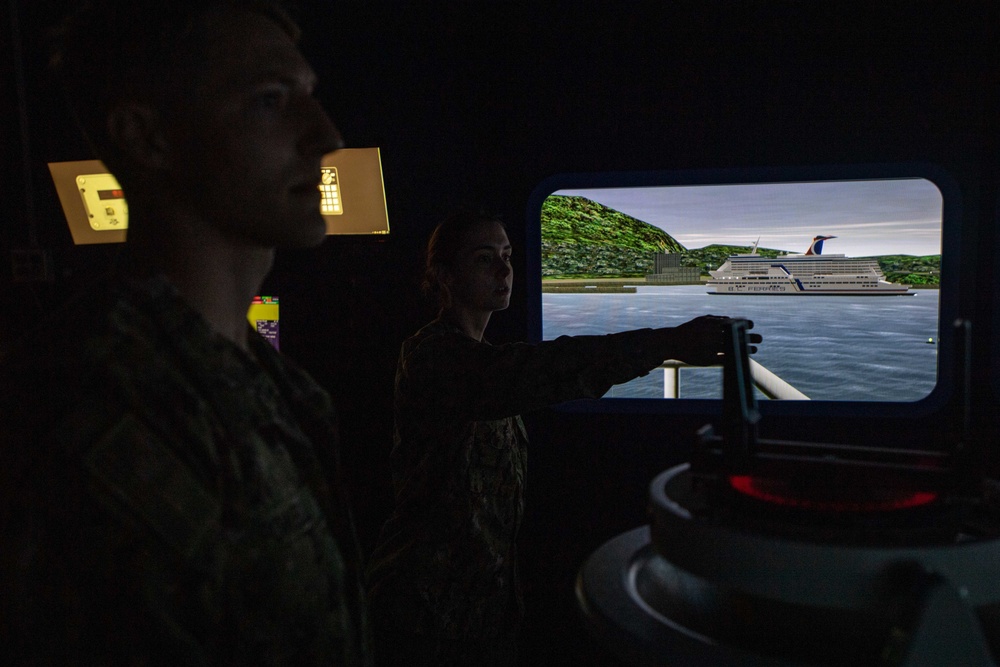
(457, 375)
(93, 557)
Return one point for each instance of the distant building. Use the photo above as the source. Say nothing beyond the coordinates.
(668, 271)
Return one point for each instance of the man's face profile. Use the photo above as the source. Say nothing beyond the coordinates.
(245, 144)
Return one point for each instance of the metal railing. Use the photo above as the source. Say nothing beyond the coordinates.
(767, 382)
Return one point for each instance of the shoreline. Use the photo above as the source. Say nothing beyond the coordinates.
(628, 285)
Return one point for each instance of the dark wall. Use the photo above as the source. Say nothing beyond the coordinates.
(477, 102)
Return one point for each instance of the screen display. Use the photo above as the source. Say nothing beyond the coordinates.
(841, 276)
(117, 193)
(263, 316)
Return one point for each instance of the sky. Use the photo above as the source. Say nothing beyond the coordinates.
(873, 217)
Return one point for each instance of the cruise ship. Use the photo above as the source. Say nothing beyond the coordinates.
(809, 274)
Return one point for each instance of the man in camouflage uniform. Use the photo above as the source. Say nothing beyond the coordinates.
(169, 480)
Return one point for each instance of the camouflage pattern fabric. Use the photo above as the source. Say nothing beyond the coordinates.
(443, 579)
(167, 498)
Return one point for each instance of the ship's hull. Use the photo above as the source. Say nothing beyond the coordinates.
(779, 289)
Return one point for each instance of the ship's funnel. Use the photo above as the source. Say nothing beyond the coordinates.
(816, 248)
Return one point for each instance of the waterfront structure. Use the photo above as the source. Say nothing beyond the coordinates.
(667, 270)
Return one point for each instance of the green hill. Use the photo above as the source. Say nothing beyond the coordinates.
(919, 271)
(584, 239)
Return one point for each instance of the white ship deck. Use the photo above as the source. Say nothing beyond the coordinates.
(803, 275)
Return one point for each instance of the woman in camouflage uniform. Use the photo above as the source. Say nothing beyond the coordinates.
(443, 580)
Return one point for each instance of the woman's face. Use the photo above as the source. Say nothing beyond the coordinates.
(480, 277)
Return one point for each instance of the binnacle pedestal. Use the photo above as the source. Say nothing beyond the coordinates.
(765, 552)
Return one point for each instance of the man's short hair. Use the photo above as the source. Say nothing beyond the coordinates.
(112, 50)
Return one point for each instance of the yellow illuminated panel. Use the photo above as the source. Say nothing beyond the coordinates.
(329, 185)
(353, 194)
(81, 186)
(104, 201)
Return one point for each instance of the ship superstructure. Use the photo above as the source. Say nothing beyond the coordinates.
(809, 274)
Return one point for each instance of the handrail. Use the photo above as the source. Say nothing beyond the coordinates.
(768, 383)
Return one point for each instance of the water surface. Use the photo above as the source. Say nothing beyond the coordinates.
(827, 347)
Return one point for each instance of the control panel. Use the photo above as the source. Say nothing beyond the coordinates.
(331, 203)
(104, 201)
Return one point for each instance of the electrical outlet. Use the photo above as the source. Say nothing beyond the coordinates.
(31, 265)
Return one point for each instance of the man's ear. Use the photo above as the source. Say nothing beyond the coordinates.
(137, 132)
